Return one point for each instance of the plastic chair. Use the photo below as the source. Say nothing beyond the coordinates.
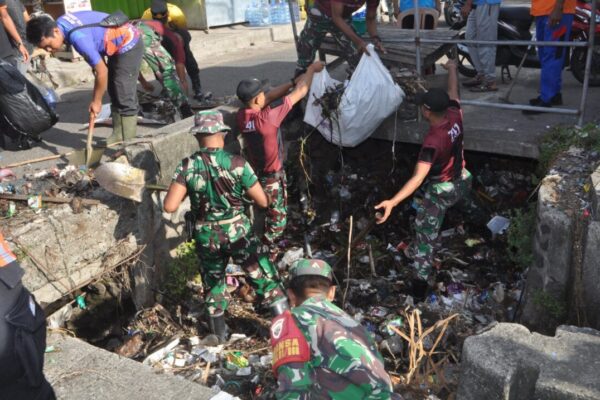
(429, 18)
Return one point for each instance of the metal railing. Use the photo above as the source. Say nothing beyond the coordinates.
(522, 107)
(417, 40)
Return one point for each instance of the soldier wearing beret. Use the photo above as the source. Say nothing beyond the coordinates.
(319, 351)
(215, 181)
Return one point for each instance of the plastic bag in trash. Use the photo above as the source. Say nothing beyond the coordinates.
(370, 97)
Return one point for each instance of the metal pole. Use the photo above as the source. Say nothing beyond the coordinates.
(417, 26)
(491, 42)
(520, 107)
(514, 81)
(588, 63)
(293, 19)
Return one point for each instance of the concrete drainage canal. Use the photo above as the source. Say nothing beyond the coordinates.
(118, 274)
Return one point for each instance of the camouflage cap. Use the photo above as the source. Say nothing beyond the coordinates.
(209, 122)
(305, 266)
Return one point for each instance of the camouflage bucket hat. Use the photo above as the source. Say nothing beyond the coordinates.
(305, 266)
(209, 122)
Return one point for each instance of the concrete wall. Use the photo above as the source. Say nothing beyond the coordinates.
(508, 362)
(566, 269)
(62, 251)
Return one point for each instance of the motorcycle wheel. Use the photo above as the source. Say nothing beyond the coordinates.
(465, 65)
(453, 20)
(578, 59)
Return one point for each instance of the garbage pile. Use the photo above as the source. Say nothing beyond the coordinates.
(34, 190)
(419, 334)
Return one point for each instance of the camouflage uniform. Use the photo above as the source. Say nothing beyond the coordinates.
(162, 65)
(216, 181)
(321, 352)
(317, 26)
(276, 214)
(431, 209)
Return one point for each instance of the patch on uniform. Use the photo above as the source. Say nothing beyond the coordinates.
(288, 343)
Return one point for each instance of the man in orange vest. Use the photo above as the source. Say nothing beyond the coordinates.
(553, 21)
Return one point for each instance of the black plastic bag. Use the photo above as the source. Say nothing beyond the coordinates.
(24, 114)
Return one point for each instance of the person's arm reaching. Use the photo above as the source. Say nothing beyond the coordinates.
(421, 171)
(11, 29)
(452, 69)
(337, 12)
(100, 84)
(372, 28)
(277, 92)
(304, 81)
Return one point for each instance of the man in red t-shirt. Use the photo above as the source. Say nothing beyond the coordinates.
(259, 123)
(335, 17)
(440, 171)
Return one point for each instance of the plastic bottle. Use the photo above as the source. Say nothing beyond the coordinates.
(251, 14)
(265, 14)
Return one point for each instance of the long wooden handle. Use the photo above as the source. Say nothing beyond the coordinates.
(88, 145)
(49, 158)
(45, 199)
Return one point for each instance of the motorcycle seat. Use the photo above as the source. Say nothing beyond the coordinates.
(516, 14)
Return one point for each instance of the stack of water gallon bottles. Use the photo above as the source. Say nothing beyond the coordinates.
(261, 13)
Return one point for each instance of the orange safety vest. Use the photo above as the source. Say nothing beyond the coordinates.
(6, 256)
(540, 8)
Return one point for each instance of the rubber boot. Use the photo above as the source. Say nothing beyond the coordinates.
(278, 307)
(217, 325)
(117, 131)
(129, 123)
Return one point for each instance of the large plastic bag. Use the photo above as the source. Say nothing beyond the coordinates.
(369, 98)
(24, 113)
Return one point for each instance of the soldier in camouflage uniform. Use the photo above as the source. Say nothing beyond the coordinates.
(440, 172)
(259, 123)
(319, 351)
(335, 17)
(163, 66)
(215, 182)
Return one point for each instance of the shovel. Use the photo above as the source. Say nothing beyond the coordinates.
(124, 180)
(89, 156)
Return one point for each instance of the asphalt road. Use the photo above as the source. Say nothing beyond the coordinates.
(219, 75)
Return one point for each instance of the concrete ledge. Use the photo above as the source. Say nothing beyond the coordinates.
(80, 371)
(61, 251)
(476, 138)
(509, 362)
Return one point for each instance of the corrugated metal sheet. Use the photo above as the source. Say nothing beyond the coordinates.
(132, 8)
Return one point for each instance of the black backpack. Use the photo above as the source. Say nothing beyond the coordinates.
(114, 20)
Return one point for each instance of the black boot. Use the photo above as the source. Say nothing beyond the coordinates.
(217, 325)
(186, 111)
(197, 87)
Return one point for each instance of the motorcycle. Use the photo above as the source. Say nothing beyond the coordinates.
(514, 23)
